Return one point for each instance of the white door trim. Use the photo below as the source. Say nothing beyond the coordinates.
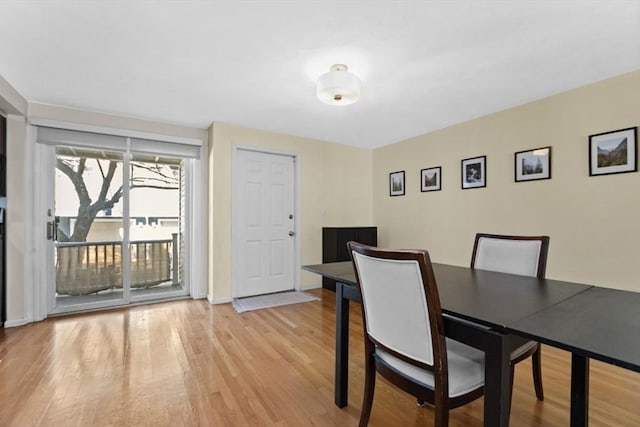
(234, 200)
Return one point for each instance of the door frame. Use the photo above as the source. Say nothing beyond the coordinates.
(235, 274)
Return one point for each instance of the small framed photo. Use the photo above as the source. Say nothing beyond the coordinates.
(474, 172)
(430, 179)
(613, 152)
(396, 183)
(532, 165)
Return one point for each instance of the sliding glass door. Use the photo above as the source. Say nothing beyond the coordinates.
(116, 221)
(88, 225)
(156, 237)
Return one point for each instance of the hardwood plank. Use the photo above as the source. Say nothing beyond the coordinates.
(187, 363)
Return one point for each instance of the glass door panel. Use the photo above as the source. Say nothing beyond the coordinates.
(155, 207)
(88, 228)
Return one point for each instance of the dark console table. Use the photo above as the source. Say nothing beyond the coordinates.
(334, 245)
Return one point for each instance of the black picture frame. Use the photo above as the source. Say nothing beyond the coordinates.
(473, 172)
(613, 152)
(532, 165)
(396, 183)
(431, 179)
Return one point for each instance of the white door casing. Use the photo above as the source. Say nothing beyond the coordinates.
(264, 223)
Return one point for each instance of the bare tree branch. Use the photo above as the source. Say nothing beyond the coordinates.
(76, 180)
(159, 187)
(81, 166)
(106, 180)
(87, 211)
(156, 169)
(100, 167)
(161, 181)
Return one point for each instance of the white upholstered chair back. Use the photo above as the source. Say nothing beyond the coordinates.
(508, 254)
(395, 305)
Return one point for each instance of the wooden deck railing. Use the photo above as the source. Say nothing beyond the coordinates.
(84, 268)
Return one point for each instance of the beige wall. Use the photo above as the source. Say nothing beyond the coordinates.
(592, 221)
(335, 190)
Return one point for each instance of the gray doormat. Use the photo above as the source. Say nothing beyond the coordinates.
(271, 300)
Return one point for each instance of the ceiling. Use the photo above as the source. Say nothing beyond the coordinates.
(424, 65)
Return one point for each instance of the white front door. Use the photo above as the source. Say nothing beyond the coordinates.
(263, 223)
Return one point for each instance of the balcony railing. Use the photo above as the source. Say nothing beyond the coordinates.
(84, 268)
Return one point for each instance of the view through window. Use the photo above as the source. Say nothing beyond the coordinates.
(99, 254)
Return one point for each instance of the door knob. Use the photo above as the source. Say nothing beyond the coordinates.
(291, 233)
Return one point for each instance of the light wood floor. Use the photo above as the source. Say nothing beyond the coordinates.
(189, 363)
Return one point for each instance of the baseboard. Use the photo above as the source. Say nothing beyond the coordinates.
(199, 296)
(309, 287)
(17, 322)
(224, 300)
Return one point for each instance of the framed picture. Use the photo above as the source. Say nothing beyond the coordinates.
(613, 152)
(474, 172)
(430, 179)
(532, 165)
(396, 183)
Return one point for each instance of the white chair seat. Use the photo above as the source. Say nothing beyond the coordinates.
(466, 368)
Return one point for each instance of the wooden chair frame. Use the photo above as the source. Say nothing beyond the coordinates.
(534, 352)
(439, 395)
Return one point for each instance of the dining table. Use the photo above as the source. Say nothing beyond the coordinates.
(601, 324)
(509, 310)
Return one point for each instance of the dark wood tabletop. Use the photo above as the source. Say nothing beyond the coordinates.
(497, 299)
(600, 323)
(341, 271)
(485, 297)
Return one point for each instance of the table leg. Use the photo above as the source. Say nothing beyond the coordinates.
(579, 391)
(497, 385)
(342, 347)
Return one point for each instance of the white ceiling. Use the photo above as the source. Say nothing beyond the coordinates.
(424, 65)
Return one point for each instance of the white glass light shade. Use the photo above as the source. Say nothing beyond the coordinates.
(338, 86)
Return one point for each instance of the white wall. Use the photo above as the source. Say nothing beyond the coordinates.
(17, 220)
(335, 190)
(12, 103)
(65, 114)
(592, 221)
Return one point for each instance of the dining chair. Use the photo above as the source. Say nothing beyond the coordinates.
(404, 333)
(523, 255)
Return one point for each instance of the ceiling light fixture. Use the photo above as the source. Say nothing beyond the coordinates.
(338, 86)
